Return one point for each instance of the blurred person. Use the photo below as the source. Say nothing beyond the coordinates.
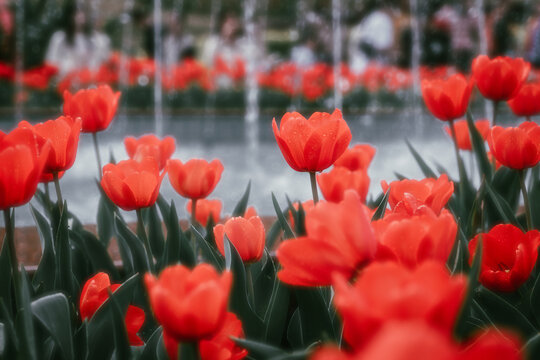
(75, 46)
(177, 45)
(509, 30)
(304, 54)
(6, 32)
(533, 40)
(437, 38)
(372, 38)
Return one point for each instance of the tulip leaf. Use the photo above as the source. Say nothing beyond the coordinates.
(484, 166)
(132, 246)
(52, 311)
(80, 341)
(534, 193)
(504, 313)
(461, 330)
(282, 221)
(503, 209)
(209, 253)
(105, 217)
(155, 232)
(295, 334)
(259, 350)
(96, 253)
(241, 206)
(535, 297)
(161, 352)
(314, 315)
(381, 208)
(47, 264)
(421, 163)
(177, 248)
(5, 270)
(273, 234)
(121, 342)
(64, 266)
(275, 318)
(100, 333)
(459, 255)
(150, 348)
(25, 324)
(239, 298)
(9, 330)
(164, 209)
(532, 347)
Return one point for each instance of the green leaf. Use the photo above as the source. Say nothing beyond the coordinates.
(295, 334)
(239, 303)
(479, 149)
(504, 313)
(532, 347)
(503, 209)
(423, 165)
(273, 234)
(9, 326)
(52, 311)
(155, 232)
(188, 351)
(105, 217)
(6, 278)
(121, 342)
(288, 233)
(259, 350)
(177, 247)
(44, 276)
(165, 210)
(314, 315)
(209, 253)
(96, 253)
(64, 274)
(241, 206)
(150, 348)
(381, 208)
(25, 325)
(133, 247)
(275, 318)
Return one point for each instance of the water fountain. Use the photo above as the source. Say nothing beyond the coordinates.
(336, 52)
(158, 56)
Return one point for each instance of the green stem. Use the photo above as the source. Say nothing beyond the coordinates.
(48, 196)
(249, 280)
(461, 167)
(528, 118)
(58, 191)
(314, 191)
(141, 232)
(10, 243)
(96, 149)
(193, 211)
(189, 351)
(495, 109)
(522, 175)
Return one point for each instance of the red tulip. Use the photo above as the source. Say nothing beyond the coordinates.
(388, 291)
(313, 144)
(48, 177)
(195, 179)
(330, 352)
(516, 147)
(96, 107)
(333, 184)
(306, 206)
(447, 99)
(494, 344)
(413, 239)
(219, 347)
(205, 210)
(462, 132)
(132, 184)
(508, 256)
(499, 78)
(63, 135)
(357, 157)
(527, 100)
(191, 305)
(95, 292)
(339, 240)
(246, 234)
(150, 145)
(21, 167)
(433, 193)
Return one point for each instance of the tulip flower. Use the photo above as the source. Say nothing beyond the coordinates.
(206, 209)
(96, 107)
(388, 291)
(314, 144)
(433, 193)
(410, 240)
(246, 234)
(499, 79)
(463, 137)
(516, 147)
(150, 145)
(219, 347)
(191, 305)
(508, 256)
(95, 292)
(357, 157)
(132, 184)
(333, 184)
(195, 179)
(339, 240)
(493, 344)
(527, 101)
(306, 206)
(447, 99)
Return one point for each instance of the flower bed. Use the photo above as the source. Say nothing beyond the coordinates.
(433, 266)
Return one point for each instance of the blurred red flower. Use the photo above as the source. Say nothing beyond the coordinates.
(313, 144)
(96, 291)
(358, 157)
(462, 132)
(150, 145)
(516, 147)
(191, 305)
(508, 256)
(246, 234)
(195, 179)
(527, 100)
(499, 78)
(334, 183)
(447, 99)
(206, 209)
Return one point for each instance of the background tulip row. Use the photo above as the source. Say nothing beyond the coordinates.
(439, 265)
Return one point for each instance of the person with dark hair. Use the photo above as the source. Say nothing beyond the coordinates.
(533, 41)
(177, 45)
(506, 32)
(75, 46)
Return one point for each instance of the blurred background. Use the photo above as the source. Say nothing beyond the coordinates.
(213, 73)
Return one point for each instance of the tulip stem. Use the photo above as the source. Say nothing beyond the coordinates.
(10, 243)
(314, 191)
(193, 211)
(96, 149)
(48, 196)
(495, 108)
(189, 350)
(522, 176)
(141, 232)
(528, 118)
(249, 280)
(58, 191)
(461, 167)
